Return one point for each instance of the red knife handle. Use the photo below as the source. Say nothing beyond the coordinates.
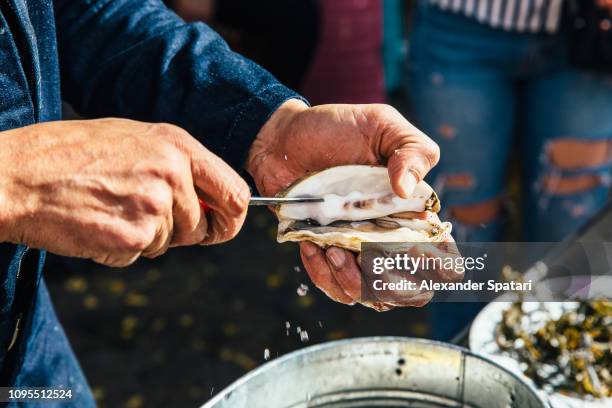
(204, 206)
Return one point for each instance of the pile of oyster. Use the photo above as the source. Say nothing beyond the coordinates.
(360, 206)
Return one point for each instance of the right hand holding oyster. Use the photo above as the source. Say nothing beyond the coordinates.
(361, 207)
(362, 203)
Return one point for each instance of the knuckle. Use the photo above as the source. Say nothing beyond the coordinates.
(104, 260)
(153, 204)
(115, 261)
(155, 200)
(380, 113)
(226, 233)
(232, 232)
(174, 135)
(184, 239)
(383, 109)
(173, 166)
(432, 152)
(190, 222)
(388, 109)
(237, 198)
(243, 195)
(122, 262)
(135, 240)
(156, 253)
(167, 130)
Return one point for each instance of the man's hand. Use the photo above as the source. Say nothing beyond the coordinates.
(112, 190)
(298, 140)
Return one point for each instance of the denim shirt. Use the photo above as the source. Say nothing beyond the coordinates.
(127, 58)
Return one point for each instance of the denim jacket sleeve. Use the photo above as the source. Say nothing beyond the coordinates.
(137, 59)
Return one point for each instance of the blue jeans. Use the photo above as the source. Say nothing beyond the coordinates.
(488, 96)
(474, 88)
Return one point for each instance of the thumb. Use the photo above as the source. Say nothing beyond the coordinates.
(409, 152)
(410, 155)
(407, 167)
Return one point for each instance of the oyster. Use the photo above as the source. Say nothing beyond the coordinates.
(360, 206)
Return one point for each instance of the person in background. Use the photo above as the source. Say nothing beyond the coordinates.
(329, 50)
(347, 66)
(279, 35)
(491, 80)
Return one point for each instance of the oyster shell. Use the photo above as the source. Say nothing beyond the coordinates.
(360, 206)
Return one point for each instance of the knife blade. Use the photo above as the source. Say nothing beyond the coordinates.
(284, 200)
(255, 201)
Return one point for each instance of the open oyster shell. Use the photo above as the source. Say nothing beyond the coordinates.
(360, 206)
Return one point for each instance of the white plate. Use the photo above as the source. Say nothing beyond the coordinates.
(482, 340)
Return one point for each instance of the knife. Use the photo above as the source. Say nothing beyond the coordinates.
(284, 200)
(273, 201)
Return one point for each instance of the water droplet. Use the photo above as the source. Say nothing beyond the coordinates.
(297, 269)
(302, 290)
(266, 354)
(304, 336)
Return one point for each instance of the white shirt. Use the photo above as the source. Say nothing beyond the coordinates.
(517, 15)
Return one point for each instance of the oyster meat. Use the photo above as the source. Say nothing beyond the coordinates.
(360, 206)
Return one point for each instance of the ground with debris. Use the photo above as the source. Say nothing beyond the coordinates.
(174, 331)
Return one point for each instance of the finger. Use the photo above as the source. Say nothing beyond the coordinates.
(444, 271)
(154, 231)
(117, 260)
(410, 153)
(161, 241)
(223, 190)
(399, 297)
(408, 165)
(320, 273)
(378, 306)
(228, 199)
(190, 222)
(346, 271)
(418, 300)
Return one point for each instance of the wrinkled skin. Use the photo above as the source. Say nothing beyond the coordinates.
(298, 140)
(112, 190)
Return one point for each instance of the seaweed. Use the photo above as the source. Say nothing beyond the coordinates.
(570, 355)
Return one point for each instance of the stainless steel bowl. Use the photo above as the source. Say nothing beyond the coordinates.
(379, 372)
